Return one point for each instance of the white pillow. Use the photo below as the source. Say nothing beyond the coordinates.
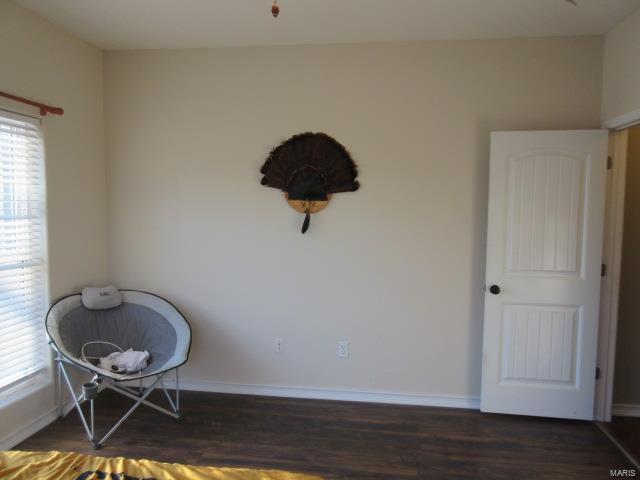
(101, 298)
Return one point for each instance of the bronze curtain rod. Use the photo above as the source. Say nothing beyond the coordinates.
(44, 109)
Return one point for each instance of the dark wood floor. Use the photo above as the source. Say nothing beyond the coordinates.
(627, 432)
(346, 440)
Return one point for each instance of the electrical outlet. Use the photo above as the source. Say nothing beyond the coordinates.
(279, 345)
(343, 349)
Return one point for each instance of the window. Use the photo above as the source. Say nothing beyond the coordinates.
(22, 251)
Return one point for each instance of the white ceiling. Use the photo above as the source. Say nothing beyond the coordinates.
(137, 24)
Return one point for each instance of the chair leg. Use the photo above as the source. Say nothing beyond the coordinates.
(88, 430)
(177, 391)
(59, 395)
(92, 417)
(173, 405)
(139, 402)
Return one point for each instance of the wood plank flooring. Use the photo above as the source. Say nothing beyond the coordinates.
(627, 432)
(345, 439)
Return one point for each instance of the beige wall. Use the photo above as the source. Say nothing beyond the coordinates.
(627, 381)
(621, 83)
(396, 268)
(38, 60)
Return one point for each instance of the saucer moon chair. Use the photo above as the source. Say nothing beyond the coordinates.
(142, 321)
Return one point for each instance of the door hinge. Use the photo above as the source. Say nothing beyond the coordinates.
(597, 373)
(603, 270)
(609, 162)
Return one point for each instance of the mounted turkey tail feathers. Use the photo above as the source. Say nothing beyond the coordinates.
(310, 167)
(313, 152)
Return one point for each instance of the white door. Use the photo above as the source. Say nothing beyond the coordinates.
(544, 248)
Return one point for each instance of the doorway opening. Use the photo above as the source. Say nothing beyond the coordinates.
(618, 389)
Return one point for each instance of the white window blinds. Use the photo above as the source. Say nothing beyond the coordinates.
(22, 250)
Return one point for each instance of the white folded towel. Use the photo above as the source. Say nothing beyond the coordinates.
(129, 361)
(101, 298)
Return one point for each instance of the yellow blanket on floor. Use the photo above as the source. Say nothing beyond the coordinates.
(16, 465)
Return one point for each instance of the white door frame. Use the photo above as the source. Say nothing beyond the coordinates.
(612, 258)
(623, 121)
(610, 287)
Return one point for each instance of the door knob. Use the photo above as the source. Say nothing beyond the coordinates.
(495, 289)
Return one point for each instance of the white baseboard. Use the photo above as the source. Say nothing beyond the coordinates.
(38, 424)
(626, 410)
(331, 394)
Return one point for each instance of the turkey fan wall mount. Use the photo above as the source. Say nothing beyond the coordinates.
(309, 168)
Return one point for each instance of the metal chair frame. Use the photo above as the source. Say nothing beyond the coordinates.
(105, 382)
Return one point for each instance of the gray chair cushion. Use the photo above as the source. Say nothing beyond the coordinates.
(129, 325)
